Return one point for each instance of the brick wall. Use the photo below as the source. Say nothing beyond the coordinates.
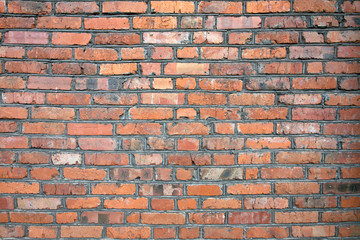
(179, 119)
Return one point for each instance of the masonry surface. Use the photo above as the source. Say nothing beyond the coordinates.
(179, 119)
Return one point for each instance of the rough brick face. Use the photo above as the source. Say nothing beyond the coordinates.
(179, 119)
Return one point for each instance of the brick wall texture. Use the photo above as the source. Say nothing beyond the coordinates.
(180, 119)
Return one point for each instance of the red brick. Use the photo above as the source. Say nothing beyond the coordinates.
(106, 23)
(311, 52)
(26, 67)
(161, 190)
(254, 188)
(340, 216)
(224, 143)
(6, 203)
(53, 143)
(156, 143)
(128, 232)
(44, 173)
(76, 7)
(350, 172)
(297, 128)
(350, 7)
(29, 7)
(52, 113)
(238, 22)
(160, 233)
(280, 68)
(12, 231)
(28, 217)
(118, 69)
(81, 231)
(67, 217)
(224, 128)
(67, 38)
(162, 204)
(131, 174)
(163, 98)
(8, 127)
(132, 53)
(84, 174)
(186, 113)
(172, 7)
(165, 22)
(126, 203)
(348, 52)
(12, 82)
(166, 37)
(55, 83)
(313, 37)
(342, 99)
(208, 37)
(189, 159)
(113, 188)
(341, 129)
(14, 142)
(42, 232)
(342, 158)
(44, 128)
(313, 231)
(185, 233)
(285, 22)
(97, 143)
(263, 53)
(39, 203)
(11, 52)
(80, 203)
(325, 21)
(191, 22)
(226, 203)
(267, 232)
(66, 158)
(240, 38)
(349, 231)
(342, 36)
(59, 22)
(68, 98)
(207, 218)
(151, 113)
(64, 189)
(124, 7)
(13, 172)
(271, 83)
(249, 217)
(251, 99)
(297, 188)
(204, 190)
(89, 129)
(207, 99)
(117, 38)
(314, 83)
(33, 158)
(315, 6)
(24, 98)
(314, 114)
(106, 159)
(267, 7)
(162, 218)
(296, 217)
(96, 54)
(276, 37)
(74, 68)
(268, 143)
(138, 128)
(315, 202)
(315, 143)
(187, 52)
(186, 68)
(148, 159)
(115, 99)
(350, 201)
